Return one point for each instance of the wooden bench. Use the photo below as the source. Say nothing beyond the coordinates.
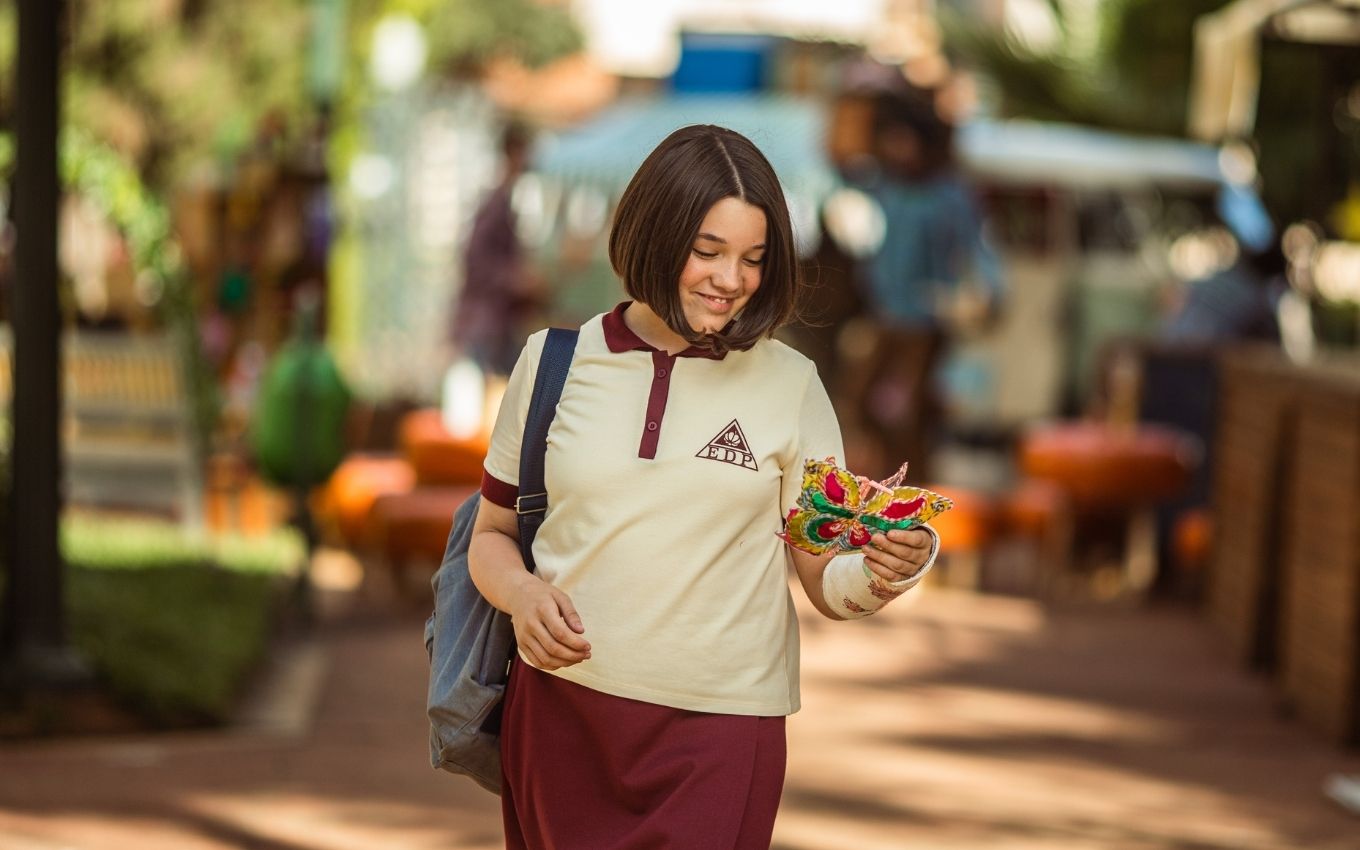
(127, 433)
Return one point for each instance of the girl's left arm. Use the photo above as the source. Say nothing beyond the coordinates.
(853, 585)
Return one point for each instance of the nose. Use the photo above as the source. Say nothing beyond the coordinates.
(727, 277)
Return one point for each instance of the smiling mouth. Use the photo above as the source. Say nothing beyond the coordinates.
(716, 302)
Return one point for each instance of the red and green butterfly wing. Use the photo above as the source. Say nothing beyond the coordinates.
(902, 507)
(825, 519)
(814, 532)
(829, 489)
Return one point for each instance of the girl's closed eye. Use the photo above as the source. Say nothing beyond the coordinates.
(707, 255)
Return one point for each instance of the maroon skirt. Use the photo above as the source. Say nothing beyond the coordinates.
(589, 771)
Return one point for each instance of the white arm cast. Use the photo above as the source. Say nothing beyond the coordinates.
(853, 591)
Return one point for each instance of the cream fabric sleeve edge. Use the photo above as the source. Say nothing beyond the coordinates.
(502, 455)
(817, 436)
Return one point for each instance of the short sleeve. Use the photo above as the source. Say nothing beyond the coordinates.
(819, 437)
(500, 472)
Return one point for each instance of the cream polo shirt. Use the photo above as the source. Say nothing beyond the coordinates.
(668, 477)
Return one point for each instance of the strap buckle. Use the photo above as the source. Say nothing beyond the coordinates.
(535, 503)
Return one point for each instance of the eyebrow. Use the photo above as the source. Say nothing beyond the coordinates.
(710, 237)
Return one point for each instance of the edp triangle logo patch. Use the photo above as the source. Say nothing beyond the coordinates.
(730, 447)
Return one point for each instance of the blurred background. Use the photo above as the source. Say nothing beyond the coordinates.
(1091, 266)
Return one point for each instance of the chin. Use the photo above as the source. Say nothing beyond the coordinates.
(700, 325)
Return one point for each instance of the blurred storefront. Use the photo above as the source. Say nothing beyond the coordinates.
(1094, 228)
(1089, 224)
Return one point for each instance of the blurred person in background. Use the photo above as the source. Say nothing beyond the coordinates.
(1238, 302)
(499, 289)
(658, 643)
(832, 298)
(931, 275)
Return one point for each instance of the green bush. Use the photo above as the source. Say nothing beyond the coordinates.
(171, 623)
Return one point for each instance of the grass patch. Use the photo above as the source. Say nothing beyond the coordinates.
(173, 624)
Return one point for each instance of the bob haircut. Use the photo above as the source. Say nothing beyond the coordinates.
(659, 215)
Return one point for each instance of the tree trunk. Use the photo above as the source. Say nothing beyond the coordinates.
(34, 636)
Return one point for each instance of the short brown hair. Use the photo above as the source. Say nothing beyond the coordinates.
(659, 216)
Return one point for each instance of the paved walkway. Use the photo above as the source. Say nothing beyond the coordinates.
(955, 721)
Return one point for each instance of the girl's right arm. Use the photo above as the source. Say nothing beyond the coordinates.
(547, 627)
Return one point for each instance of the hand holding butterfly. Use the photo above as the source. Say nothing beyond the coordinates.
(898, 554)
(839, 512)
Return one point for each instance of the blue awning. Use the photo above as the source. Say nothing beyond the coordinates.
(1075, 157)
(605, 152)
(791, 131)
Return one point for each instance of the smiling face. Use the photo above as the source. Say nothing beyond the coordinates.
(723, 269)
(699, 229)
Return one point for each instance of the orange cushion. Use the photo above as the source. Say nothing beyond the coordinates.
(415, 525)
(967, 526)
(345, 501)
(1033, 507)
(1105, 468)
(436, 455)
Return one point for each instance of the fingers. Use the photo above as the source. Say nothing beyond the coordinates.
(550, 633)
(898, 554)
(565, 625)
(567, 612)
(546, 652)
(542, 657)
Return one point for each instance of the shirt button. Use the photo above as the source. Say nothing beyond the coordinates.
(651, 426)
(661, 373)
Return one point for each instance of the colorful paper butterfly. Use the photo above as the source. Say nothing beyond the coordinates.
(839, 511)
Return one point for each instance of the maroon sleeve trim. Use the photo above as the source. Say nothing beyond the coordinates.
(498, 492)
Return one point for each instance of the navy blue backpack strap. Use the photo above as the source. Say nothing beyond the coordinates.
(532, 504)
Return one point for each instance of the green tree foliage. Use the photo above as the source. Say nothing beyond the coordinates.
(174, 84)
(154, 89)
(466, 34)
(463, 36)
(171, 84)
(1136, 79)
(106, 179)
(1150, 44)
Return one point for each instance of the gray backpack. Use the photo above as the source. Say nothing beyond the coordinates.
(469, 642)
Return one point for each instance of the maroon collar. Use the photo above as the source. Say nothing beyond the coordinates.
(619, 337)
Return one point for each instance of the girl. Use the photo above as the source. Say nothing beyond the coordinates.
(658, 647)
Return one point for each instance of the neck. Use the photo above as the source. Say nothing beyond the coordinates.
(652, 329)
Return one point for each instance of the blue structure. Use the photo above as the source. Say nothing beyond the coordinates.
(714, 63)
